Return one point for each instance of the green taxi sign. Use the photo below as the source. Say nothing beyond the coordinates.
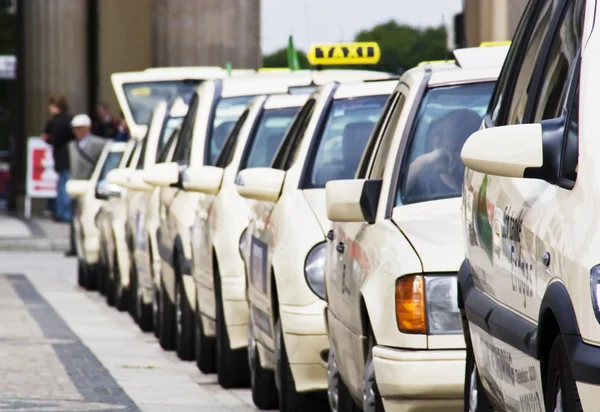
(344, 53)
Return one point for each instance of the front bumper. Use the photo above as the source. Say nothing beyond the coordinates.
(307, 345)
(428, 380)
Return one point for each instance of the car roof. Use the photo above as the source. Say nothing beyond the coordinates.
(279, 101)
(369, 88)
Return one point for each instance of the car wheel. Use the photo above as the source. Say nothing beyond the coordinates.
(262, 381)
(337, 392)
(476, 399)
(167, 319)
(561, 391)
(143, 310)
(205, 348)
(82, 269)
(118, 291)
(133, 286)
(184, 333)
(232, 364)
(372, 401)
(156, 311)
(289, 399)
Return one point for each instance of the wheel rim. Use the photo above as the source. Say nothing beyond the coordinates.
(473, 390)
(278, 377)
(333, 383)
(251, 353)
(369, 397)
(178, 313)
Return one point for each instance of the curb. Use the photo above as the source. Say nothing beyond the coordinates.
(34, 245)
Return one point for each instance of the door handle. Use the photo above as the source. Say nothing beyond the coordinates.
(330, 235)
(340, 247)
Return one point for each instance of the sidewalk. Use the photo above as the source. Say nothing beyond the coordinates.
(35, 234)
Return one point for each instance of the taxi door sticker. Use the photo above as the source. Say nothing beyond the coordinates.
(344, 53)
(510, 376)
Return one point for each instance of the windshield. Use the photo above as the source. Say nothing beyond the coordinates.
(142, 97)
(269, 134)
(169, 125)
(227, 113)
(344, 137)
(446, 118)
(111, 162)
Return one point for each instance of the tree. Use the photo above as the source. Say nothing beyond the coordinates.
(280, 59)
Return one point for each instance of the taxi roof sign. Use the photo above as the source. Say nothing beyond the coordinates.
(344, 53)
(495, 43)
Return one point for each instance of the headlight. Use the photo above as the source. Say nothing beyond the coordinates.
(595, 289)
(427, 305)
(314, 269)
(242, 244)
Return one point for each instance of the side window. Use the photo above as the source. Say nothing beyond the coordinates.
(381, 155)
(521, 85)
(169, 147)
(570, 156)
(561, 61)
(376, 135)
(228, 149)
(184, 144)
(286, 153)
(140, 162)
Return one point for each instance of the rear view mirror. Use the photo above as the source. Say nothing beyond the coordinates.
(136, 181)
(77, 188)
(118, 177)
(261, 183)
(204, 179)
(352, 200)
(105, 190)
(162, 174)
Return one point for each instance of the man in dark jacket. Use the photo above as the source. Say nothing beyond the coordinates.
(104, 125)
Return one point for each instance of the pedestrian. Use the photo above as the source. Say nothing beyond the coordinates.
(104, 124)
(122, 130)
(58, 134)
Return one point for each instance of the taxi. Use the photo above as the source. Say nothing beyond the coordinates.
(91, 194)
(219, 229)
(142, 201)
(214, 109)
(394, 247)
(529, 285)
(285, 241)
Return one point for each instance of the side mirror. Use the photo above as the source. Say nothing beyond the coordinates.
(509, 151)
(162, 174)
(135, 181)
(261, 183)
(118, 177)
(77, 188)
(204, 179)
(352, 200)
(105, 190)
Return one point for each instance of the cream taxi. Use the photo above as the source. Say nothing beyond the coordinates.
(395, 245)
(529, 286)
(285, 241)
(91, 194)
(218, 233)
(214, 109)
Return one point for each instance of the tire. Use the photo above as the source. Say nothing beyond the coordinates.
(167, 319)
(476, 399)
(82, 274)
(560, 385)
(117, 290)
(184, 331)
(338, 394)
(289, 399)
(262, 381)
(110, 298)
(205, 349)
(372, 401)
(232, 364)
(156, 311)
(143, 311)
(133, 287)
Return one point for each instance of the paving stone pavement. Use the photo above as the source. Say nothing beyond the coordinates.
(64, 349)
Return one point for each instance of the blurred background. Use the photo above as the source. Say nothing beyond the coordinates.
(72, 46)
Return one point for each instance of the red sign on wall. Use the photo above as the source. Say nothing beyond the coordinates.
(41, 177)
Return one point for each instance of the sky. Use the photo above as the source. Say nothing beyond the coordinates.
(328, 21)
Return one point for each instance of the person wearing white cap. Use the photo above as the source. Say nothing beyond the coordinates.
(85, 150)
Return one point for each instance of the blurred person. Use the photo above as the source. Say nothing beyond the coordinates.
(104, 124)
(58, 133)
(122, 130)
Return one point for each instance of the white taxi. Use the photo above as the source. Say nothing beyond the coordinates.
(394, 249)
(91, 194)
(214, 109)
(285, 241)
(529, 286)
(217, 235)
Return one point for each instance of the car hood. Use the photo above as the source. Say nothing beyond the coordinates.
(316, 201)
(434, 229)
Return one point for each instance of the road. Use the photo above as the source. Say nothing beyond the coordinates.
(64, 349)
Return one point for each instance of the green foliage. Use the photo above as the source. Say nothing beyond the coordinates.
(402, 47)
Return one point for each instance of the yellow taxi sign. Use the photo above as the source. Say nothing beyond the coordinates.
(344, 53)
(141, 91)
(495, 43)
(435, 62)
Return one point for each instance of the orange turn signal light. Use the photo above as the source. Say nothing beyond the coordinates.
(410, 304)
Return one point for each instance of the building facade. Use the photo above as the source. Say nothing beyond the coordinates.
(490, 20)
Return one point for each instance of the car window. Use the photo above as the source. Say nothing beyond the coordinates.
(112, 161)
(184, 143)
(140, 162)
(142, 97)
(287, 150)
(230, 144)
(381, 155)
(162, 158)
(168, 126)
(342, 139)
(561, 60)
(522, 83)
(267, 136)
(447, 116)
(228, 110)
